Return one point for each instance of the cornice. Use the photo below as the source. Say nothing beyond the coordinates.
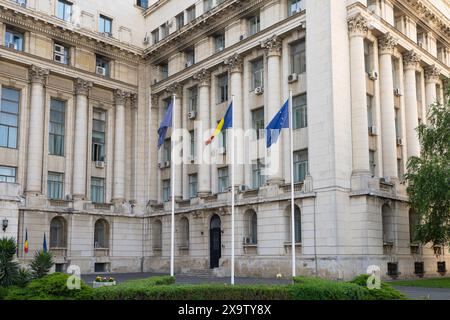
(55, 29)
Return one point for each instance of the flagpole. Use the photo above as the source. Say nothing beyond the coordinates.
(172, 232)
(232, 192)
(291, 138)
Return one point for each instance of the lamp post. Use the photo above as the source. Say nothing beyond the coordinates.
(5, 224)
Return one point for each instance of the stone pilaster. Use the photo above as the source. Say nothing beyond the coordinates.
(358, 27)
(203, 152)
(411, 62)
(387, 44)
(35, 152)
(119, 147)
(82, 88)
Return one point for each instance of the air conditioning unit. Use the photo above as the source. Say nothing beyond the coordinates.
(243, 188)
(259, 91)
(59, 49)
(22, 3)
(292, 78)
(397, 92)
(373, 131)
(188, 64)
(399, 141)
(192, 158)
(101, 71)
(146, 40)
(166, 164)
(192, 115)
(99, 164)
(373, 75)
(420, 43)
(11, 45)
(242, 37)
(60, 58)
(247, 240)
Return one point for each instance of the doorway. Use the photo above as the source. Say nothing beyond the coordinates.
(215, 242)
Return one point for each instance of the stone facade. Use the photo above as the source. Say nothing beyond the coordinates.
(100, 201)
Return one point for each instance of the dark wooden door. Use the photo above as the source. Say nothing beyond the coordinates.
(215, 242)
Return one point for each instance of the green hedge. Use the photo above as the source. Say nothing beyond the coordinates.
(386, 292)
(321, 289)
(3, 292)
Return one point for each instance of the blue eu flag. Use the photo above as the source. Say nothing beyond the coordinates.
(165, 125)
(280, 121)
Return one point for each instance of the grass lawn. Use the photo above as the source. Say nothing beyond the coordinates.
(424, 283)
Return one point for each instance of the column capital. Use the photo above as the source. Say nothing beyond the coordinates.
(432, 73)
(175, 88)
(203, 78)
(272, 46)
(82, 87)
(358, 26)
(37, 74)
(234, 63)
(387, 43)
(411, 59)
(133, 98)
(155, 100)
(120, 96)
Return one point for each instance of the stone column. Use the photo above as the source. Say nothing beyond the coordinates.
(272, 49)
(177, 89)
(81, 143)
(358, 27)
(35, 150)
(154, 183)
(388, 135)
(203, 152)
(235, 67)
(119, 147)
(432, 74)
(411, 62)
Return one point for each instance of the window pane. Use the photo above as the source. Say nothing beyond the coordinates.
(10, 94)
(3, 136)
(12, 138)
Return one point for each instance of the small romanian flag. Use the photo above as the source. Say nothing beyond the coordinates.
(25, 246)
(225, 123)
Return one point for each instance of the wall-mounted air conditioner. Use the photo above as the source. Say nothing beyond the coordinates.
(292, 78)
(259, 91)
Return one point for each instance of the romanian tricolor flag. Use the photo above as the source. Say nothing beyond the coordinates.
(25, 246)
(225, 123)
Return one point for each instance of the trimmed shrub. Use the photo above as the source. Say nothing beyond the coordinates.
(3, 293)
(385, 293)
(321, 289)
(50, 287)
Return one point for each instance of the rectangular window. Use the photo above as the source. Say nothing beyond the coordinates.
(98, 135)
(164, 69)
(56, 128)
(102, 66)
(298, 57)
(167, 151)
(398, 128)
(61, 54)
(155, 36)
(142, 3)
(300, 111)
(193, 98)
(105, 25)
(368, 56)
(295, 6)
(370, 111)
(193, 186)
(193, 144)
(222, 140)
(14, 39)
(64, 10)
(257, 172)
(7, 174)
(400, 169)
(180, 20)
(190, 13)
(98, 190)
(164, 30)
(372, 162)
(219, 42)
(224, 182)
(166, 190)
(258, 122)
(254, 24)
(207, 5)
(257, 74)
(190, 57)
(222, 88)
(300, 165)
(55, 186)
(9, 118)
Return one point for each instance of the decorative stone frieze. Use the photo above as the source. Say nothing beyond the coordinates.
(203, 78)
(38, 74)
(358, 26)
(272, 46)
(234, 63)
(411, 60)
(82, 87)
(387, 44)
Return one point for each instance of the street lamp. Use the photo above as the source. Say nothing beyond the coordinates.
(4, 224)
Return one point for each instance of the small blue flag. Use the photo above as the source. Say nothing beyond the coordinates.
(165, 125)
(45, 244)
(280, 121)
(228, 119)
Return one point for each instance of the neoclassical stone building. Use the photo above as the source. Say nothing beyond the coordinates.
(84, 88)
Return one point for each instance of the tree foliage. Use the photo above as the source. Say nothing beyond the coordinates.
(428, 176)
(41, 264)
(9, 268)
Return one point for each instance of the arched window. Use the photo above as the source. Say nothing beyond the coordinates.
(251, 227)
(58, 233)
(413, 223)
(388, 224)
(101, 234)
(297, 224)
(157, 235)
(184, 232)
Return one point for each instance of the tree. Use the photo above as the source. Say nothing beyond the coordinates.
(41, 264)
(428, 176)
(9, 268)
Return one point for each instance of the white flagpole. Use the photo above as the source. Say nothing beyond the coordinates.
(172, 180)
(232, 191)
(291, 135)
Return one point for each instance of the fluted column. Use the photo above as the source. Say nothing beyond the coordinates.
(81, 143)
(38, 78)
(411, 62)
(177, 89)
(358, 27)
(235, 66)
(272, 49)
(432, 74)
(388, 135)
(119, 147)
(203, 156)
